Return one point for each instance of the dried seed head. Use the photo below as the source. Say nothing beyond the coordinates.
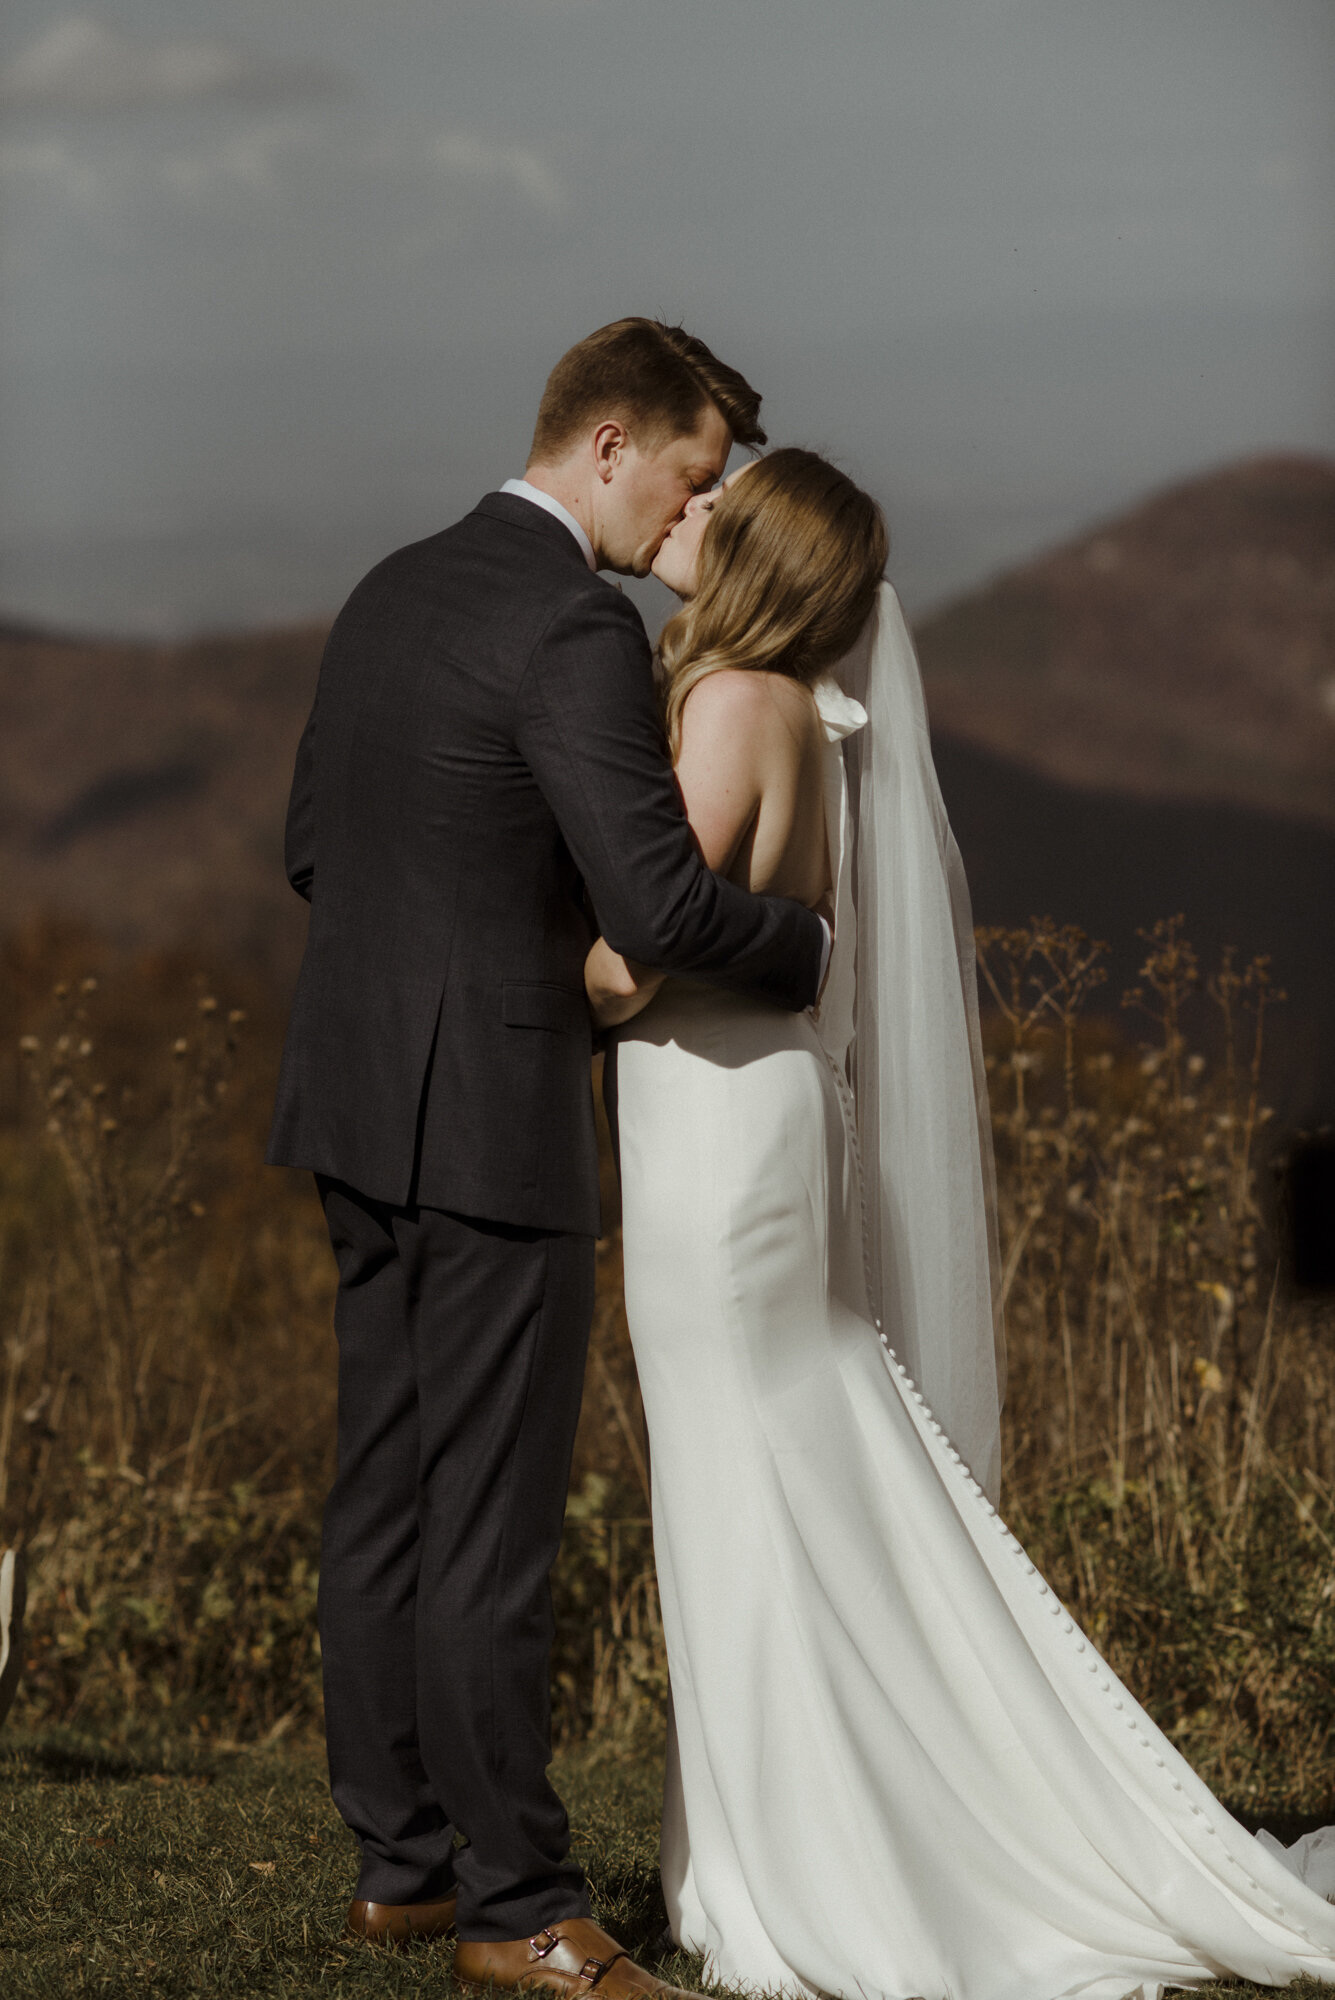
(180, 1046)
(207, 1005)
(33, 1413)
(88, 985)
(29, 1044)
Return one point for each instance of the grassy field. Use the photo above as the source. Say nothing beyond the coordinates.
(166, 1412)
(182, 1874)
(163, 1875)
(167, 1364)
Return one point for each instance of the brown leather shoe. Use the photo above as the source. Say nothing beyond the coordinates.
(573, 1957)
(400, 1923)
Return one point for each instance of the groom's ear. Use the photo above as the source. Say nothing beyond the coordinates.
(609, 443)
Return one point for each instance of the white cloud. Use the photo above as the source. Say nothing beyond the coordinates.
(442, 187)
(80, 65)
(484, 178)
(51, 164)
(253, 159)
(515, 168)
(120, 183)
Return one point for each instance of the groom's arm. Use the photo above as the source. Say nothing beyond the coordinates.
(589, 728)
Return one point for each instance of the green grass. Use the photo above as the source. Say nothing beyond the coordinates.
(164, 1871)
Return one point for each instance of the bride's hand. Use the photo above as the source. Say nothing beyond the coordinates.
(617, 987)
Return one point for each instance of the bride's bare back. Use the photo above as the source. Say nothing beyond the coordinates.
(750, 772)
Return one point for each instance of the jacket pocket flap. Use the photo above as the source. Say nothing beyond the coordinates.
(555, 1008)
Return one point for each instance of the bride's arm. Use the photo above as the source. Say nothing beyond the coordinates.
(617, 988)
(726, 727)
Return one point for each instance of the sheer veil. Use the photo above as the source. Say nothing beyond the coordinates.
(917, 1061)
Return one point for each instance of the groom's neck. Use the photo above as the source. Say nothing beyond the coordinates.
(568, 485)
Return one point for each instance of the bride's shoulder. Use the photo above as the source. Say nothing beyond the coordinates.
(747, 697)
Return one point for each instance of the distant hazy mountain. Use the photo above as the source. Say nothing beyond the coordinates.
(1185, 651)
(1139, 722)
(143, 788)
(1143, 722)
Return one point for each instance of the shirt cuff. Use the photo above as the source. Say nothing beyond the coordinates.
(827, 946)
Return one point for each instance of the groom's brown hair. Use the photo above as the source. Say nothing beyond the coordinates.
(658, 379)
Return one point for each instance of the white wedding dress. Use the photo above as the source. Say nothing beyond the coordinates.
(896, 1767)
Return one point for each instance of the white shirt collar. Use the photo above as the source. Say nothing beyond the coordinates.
(558, 513)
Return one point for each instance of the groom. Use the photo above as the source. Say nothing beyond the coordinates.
(484, 760)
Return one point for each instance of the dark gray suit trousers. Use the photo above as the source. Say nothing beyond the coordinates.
(461, 1349)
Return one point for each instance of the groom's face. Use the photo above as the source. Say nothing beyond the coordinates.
(649, 491)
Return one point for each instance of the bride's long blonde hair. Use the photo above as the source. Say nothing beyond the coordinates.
(788, 568)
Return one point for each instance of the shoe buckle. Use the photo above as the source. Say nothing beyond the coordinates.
(593, 1970)
(541, 1949)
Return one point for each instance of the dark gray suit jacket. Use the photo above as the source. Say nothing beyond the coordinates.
(484, 749)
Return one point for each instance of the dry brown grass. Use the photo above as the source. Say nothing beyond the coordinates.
(1169, 1444)
(166, 1400)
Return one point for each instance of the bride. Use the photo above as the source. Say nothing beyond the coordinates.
(896, 1767)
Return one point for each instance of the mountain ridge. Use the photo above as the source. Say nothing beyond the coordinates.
(1184, 649)
(1163, 685)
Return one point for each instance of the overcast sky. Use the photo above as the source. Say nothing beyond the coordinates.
(279, 285)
